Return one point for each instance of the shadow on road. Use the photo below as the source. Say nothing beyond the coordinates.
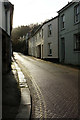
(10, 96)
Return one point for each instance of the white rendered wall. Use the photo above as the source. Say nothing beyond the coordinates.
(2, 18)
(52, 39)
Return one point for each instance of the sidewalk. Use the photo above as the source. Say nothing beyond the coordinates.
(16, 101)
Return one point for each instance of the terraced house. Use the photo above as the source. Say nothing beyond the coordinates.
(69, 33)
(44, 43)
(6, 16)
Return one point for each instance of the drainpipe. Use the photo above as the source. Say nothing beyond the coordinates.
(58, 40)
(6, 20)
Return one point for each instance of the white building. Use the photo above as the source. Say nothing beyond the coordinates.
(69, 33)
(6, 16)
(44, 43)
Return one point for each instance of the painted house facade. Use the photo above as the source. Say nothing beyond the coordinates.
(6, 16)
(44, 43)
(69, 33)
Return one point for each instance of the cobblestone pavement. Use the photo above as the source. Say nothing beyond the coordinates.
(54, 88)
(38, 103)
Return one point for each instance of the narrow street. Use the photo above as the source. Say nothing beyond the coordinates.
(53, 87)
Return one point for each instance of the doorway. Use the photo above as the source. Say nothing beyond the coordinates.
(39, 51)
(62, 50)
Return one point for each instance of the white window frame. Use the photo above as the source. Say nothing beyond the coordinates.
(77, 13)
(77, 42)
(49, 30)
(63, 21)
(49, 49)
(42, 33)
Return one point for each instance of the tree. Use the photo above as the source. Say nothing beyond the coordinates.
(19, 32)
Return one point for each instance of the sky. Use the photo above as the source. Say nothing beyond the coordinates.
(28, 12)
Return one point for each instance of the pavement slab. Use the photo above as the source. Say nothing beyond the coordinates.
(25, 104)
(16, 101)
(10, 96)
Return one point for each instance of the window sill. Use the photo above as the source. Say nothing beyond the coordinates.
(76, 50)
(50, 55)
(76, 23)
(49, 35)
(62, 29)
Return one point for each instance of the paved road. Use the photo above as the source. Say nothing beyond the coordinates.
(55, 87)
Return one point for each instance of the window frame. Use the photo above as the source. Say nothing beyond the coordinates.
(76, 41)
(49, 49)
(49, 30)
(63, 21)
(76, 14)
(42, 32)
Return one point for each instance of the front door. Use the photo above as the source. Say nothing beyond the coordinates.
(39, 51)
(42, 51)
(62, 50)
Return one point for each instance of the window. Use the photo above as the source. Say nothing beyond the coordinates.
(63, 21)
(36, 38)
(77, 13)
(50, 49)
(49, 30)
(77, 42)
(39, 33)
(6, 5)
(42, 33)
(6, 20)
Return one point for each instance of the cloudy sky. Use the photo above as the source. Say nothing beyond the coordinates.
(35, 11)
